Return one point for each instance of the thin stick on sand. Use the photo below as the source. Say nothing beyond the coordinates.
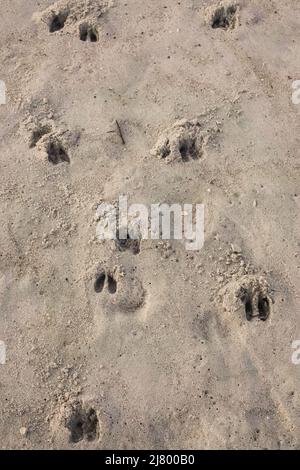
(120, 132)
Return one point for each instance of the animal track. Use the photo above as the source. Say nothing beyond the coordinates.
(257, 305)
(184, 142)
(57, 21)
(252, 294)
(74, 17)
(100, 283)
(112, 284)
(188, 149)
(88, 32)
(128, 244)
(83, 424)
(120, 290)
(51, 141)
(225, 16)
(38, 133)
(263, 308)
(56, 152)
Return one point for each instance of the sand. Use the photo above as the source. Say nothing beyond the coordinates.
(149, 346)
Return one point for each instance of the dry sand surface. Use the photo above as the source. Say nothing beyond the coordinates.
(149, 345)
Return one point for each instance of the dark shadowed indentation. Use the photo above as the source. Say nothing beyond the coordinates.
(88, 33)
(83, 424)
(57, 153)
(127, 244)
(255, 307)
(248, 308)
(99, 283)
(165, 152)
(224, 17)
(263, 308)
(37, 134)
(112, 284)
(188, 149)
(57, 21)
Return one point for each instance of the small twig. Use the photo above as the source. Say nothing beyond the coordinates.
(120, 132)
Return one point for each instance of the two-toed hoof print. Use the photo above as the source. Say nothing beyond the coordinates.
(64, 17)
(38, 133)
(78, 422)
(225, 16)
(256, 306)
(43, 137)
(88, 33)
(56, 152)
(186, 147)
(254, 295)
(105, 279)
(118, 290)
(183, 142)
(57, 21)
(128, 244)
(250, 295)
(83, 424)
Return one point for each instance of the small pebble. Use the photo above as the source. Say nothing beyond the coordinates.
(23, 431)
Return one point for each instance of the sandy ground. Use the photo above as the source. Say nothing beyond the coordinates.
(169, 360)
